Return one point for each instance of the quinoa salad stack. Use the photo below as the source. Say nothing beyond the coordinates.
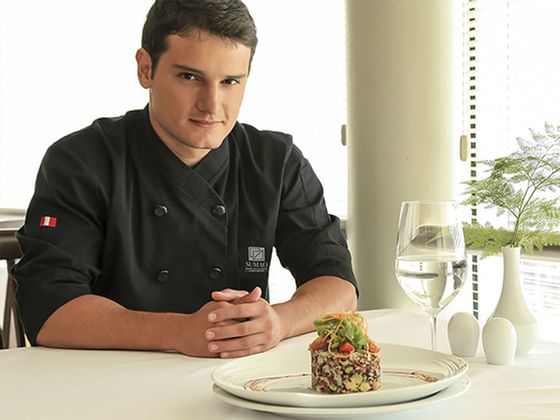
(343, 358)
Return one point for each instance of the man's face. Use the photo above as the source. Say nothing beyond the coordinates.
(195, 91)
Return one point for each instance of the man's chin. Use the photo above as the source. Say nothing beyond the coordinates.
(203, 145)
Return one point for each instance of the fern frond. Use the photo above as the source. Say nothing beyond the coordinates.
(520, 184)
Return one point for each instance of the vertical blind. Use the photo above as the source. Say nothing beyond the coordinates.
(512, 85)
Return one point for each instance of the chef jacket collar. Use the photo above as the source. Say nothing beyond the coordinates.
(209, 168)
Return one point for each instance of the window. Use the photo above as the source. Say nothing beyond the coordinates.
(512, 85)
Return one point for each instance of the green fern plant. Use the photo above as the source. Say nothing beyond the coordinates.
(520, 184)
(491, 241)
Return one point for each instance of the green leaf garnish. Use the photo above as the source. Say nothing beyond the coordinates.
(348, 331)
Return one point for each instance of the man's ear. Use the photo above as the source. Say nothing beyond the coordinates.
(144, 68)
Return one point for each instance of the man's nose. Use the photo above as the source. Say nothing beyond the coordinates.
(209, 100)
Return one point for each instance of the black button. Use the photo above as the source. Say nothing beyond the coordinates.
(160, 210)
(215, 273)
(218, 210)
(163, 276)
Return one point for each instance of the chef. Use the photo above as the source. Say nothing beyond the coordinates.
(155, 230)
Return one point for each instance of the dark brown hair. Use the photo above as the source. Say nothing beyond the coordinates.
(225, 18)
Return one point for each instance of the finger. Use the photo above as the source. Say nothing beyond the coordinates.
(236, 344)
(237, 296)
(254, 296)
(241, 311)
(228, 294)
(224, 323)
(232, 330)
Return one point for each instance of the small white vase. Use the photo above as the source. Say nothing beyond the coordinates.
(512, 304)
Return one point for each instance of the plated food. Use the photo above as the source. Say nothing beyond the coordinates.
(343, 358)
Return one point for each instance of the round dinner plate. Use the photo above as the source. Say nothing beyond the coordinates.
(282, 378)
(456, 389)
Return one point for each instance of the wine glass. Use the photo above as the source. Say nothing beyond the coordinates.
(430, 262)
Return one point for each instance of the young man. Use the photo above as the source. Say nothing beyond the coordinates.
(155, 230)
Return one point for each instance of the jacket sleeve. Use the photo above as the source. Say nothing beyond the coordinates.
(309, 240)
(61, 240)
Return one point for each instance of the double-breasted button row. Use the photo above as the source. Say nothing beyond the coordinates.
(160, 210)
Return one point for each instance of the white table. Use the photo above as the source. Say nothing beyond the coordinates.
(42, 383)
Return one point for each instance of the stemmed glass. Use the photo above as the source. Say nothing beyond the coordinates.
(430, 262)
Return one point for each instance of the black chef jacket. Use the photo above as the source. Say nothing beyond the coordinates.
(116, 213)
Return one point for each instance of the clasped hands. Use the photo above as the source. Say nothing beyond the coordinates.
(241, 323)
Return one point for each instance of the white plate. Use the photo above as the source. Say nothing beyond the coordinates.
(282, 377)
(454, 390)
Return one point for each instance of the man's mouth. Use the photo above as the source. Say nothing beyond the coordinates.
(205, 123)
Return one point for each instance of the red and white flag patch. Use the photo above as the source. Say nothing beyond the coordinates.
(47, 221)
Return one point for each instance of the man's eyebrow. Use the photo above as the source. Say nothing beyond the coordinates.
(201, 73)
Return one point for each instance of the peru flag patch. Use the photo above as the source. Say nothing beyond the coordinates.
(47, 221)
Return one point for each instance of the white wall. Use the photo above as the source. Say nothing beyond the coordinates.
(60, 68)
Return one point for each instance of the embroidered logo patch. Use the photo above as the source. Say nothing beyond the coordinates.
(256, 260)
(47, 221)
(255, 253)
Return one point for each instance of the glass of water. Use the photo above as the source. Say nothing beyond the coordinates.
(430, 262)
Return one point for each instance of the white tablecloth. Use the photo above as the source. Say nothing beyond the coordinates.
(41, 383)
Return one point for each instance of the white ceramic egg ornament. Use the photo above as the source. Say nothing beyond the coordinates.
(499, 340)
(463, 332)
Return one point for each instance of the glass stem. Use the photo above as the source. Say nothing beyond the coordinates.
(434, 332)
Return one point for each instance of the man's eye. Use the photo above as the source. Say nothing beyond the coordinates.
(231, 82)
(187, 76)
